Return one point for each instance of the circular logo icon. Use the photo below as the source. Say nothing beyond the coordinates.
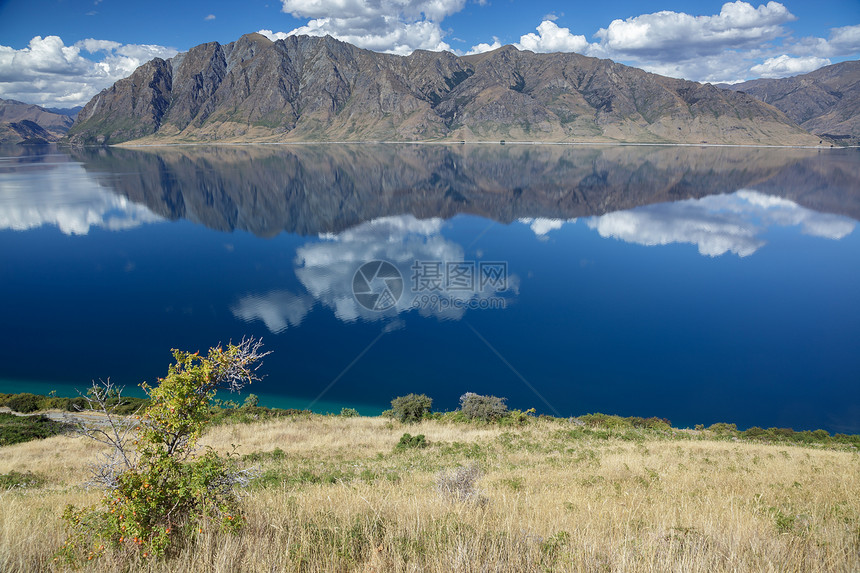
(377, 285)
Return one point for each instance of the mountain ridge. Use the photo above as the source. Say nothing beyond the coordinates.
(316, 189)
(305, 88)
(27, 123)
(825, 102)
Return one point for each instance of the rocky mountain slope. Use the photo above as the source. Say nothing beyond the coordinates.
(825, 102)
(313, 189)
(22, 122)
(312, 88)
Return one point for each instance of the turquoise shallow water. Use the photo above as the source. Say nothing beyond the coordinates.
(700, 285)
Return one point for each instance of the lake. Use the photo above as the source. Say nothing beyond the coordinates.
(699, 284)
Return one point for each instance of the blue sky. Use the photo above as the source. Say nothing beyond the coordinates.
(62, 52)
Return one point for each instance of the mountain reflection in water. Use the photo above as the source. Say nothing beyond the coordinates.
(699, 284)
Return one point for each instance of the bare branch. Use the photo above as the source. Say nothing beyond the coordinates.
(241, 364)
(115, 431)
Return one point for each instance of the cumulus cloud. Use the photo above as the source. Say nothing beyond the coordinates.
(844, 41)
(741, 42)
(718, 224)
(47, 72)
(484, 47)
(209, 17)
(67, 197)
(393, 26)
(542, 226)
(666, 33)
(782, 66)
(278, 309)
(327, 268)
(552, 38)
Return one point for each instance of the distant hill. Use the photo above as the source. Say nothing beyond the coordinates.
(25, 123)
(72, 112)
(825, 102)
(311, 88)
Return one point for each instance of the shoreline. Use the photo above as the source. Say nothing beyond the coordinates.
(599, 420)
(132, 145)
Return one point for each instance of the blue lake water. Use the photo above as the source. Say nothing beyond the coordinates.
(696, 284)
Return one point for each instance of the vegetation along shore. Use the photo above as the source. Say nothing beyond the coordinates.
(217, 486)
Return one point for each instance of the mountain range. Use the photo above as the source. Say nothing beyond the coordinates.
(307, 88)
(25, 123)
(315, 189)
(825, 102)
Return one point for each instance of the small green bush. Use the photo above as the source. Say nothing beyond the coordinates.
(821, 435)
(23, 403)
(412, 407)
(721, 428)
(410, 442)
(604, 421)
(17, 429)
(483, 408)
(349, 413)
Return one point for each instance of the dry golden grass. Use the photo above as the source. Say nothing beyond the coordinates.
(340, 498)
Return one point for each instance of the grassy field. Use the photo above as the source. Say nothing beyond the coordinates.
(335, 494)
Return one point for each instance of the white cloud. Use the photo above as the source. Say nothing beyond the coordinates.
(542, 226)
(782, 66)
(738, 25)
(741, 42)
(844, 41)
(407, 10)
(47, 72)
(279, 309)
(552, 38)
(209, 17)
(67, 197)
(484, 47)
(382, 35)
(327, 268)
(718, 224)
(394, 26)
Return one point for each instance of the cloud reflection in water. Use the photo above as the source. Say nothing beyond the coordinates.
(717, 224)
(66, 196)
(326, 269)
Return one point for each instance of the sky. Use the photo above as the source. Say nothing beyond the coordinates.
(60, 53)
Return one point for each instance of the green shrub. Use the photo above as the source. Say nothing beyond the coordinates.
(821, 435)
(17, 429)
(349, 413)
(23, 403)
(755, 433)
(604, 421)
(412, 407)
(410, 442)
(483, 408)
(721, 428)
(160, 490)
